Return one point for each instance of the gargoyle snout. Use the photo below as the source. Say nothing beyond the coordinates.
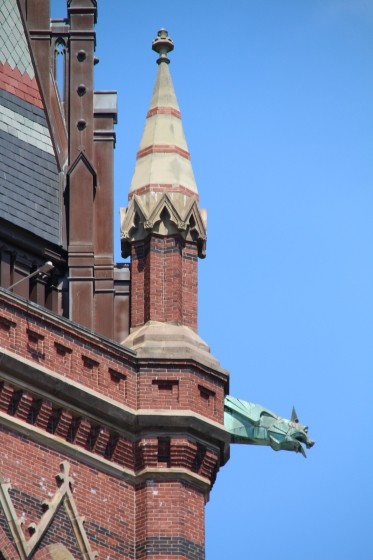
(309, 443)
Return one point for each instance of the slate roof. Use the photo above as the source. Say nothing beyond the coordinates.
(29, 183)
(13, 45)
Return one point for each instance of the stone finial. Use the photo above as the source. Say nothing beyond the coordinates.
(163, 44)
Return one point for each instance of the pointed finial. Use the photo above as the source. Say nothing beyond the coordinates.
(163, 44)
(294, 415)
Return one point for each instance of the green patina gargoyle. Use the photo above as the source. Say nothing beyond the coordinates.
(256, 425)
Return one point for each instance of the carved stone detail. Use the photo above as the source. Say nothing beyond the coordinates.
(26, 547)
(163, 214)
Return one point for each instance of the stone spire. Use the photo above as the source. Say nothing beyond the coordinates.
(163, 197)
(164, 232)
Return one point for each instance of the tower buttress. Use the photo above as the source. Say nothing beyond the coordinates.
(82, 175)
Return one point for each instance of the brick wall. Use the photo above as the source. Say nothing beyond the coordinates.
(150, 520)
(106, 367)
(141, 472)
(106, 502)
(170, 521)
(164, 285)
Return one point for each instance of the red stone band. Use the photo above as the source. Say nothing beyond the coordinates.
(163, 187)
(163, 149)
(163, 111)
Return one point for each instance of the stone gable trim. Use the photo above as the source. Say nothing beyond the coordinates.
(27, 546)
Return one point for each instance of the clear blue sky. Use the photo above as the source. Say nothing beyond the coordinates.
(277, 105)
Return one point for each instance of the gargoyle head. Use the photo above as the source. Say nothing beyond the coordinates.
(289, 435)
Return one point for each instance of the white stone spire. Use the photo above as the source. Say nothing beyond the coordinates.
(163, 196)
(163, 159)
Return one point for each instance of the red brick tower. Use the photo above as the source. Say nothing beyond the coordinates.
(106, 447)
(164, 231)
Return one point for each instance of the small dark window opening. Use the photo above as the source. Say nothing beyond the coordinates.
(199, 457)
(164, 450)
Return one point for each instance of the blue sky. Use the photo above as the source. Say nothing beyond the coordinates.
(277, 106)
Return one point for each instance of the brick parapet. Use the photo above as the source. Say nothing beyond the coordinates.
(67, 349)
(47, 341)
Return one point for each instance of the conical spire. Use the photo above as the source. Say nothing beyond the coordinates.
(164, 231)
(163, 159)
(163, 176)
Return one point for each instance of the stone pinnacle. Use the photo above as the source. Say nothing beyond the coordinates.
(163, 44)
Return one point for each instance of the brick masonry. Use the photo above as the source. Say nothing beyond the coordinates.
(164, 282)
(151, 520)
(102, 450)
(141, 490)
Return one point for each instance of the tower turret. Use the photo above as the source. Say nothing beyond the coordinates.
(163, 229)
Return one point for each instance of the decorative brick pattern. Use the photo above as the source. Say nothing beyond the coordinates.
(13, 45)
(105, 502)
(114, 511)
(6, 393)
(146, 453)
(166, 547)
